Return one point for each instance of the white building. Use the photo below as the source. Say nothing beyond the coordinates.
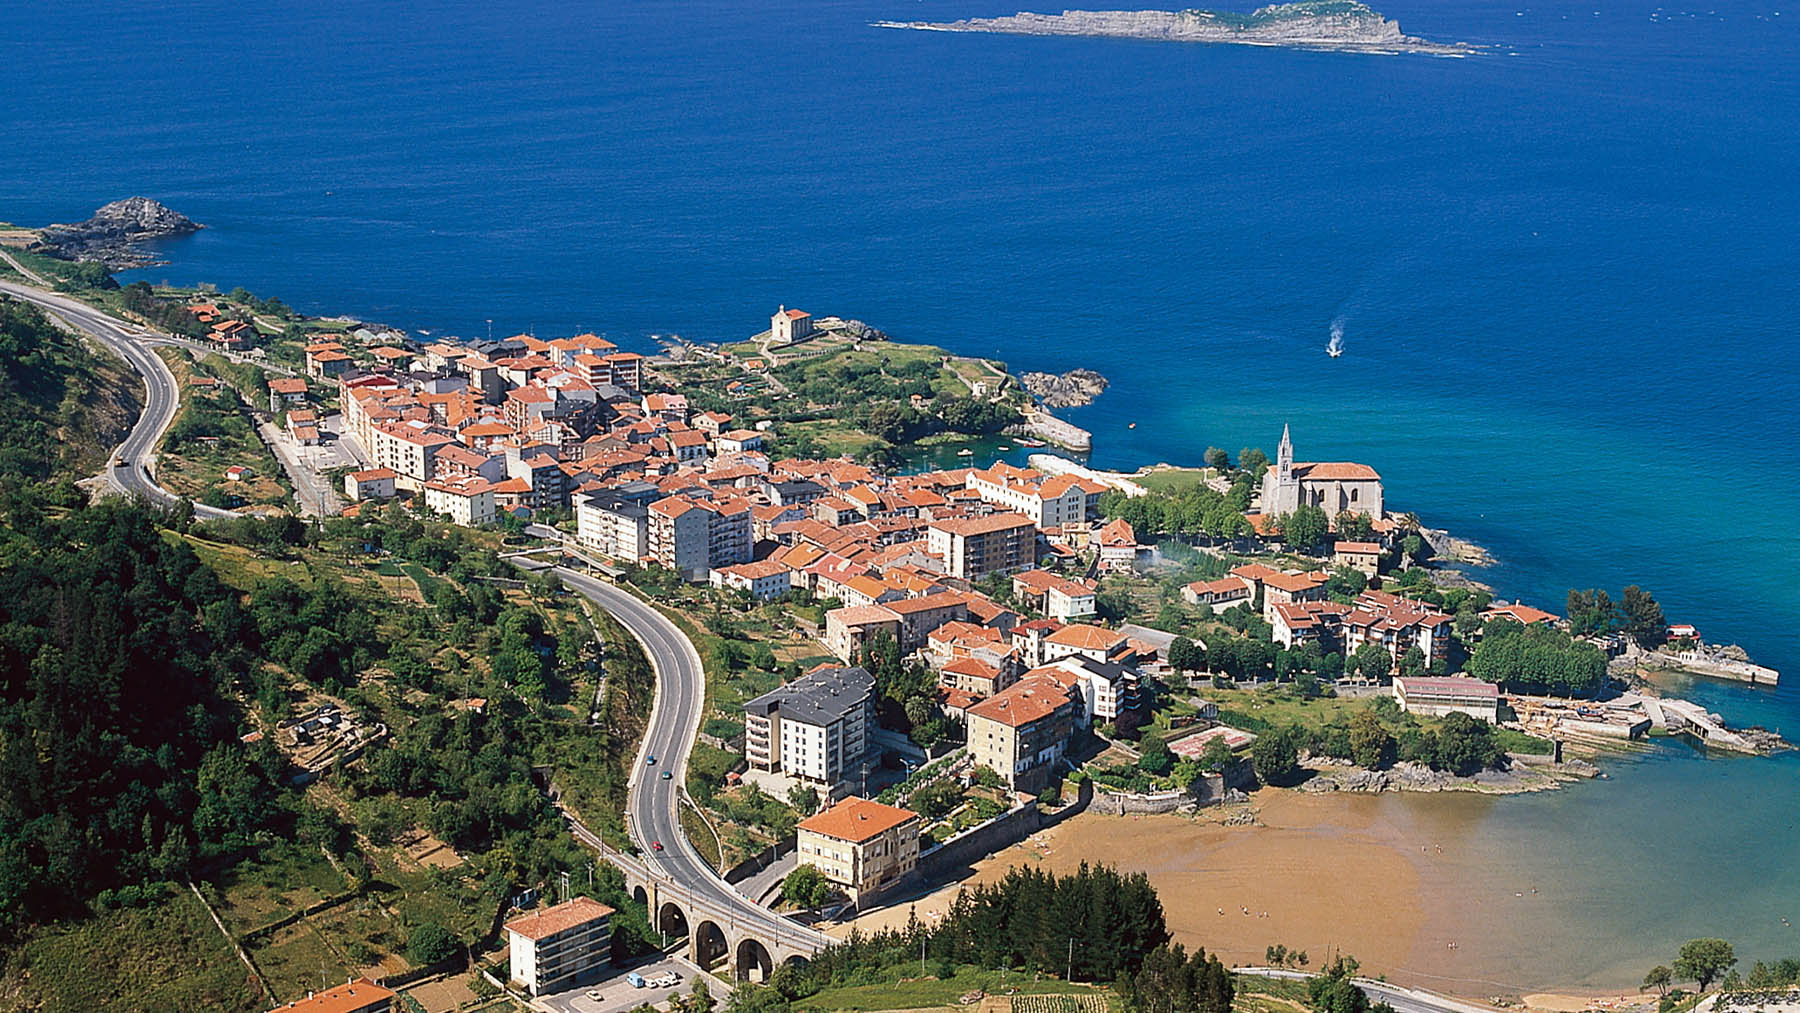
(816, 728)
(370, 483)
(559, 947)
(613, 525)
(1438, 696)
(788, 326)
(466, 501)
(1332, 486)
(765, 580)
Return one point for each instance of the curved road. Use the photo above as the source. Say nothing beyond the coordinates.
(161, 396)
(1404, 1000)
(653, 804)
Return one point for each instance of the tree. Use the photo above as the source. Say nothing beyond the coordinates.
(430, 943)
(1186, 656)
(1170, 981)
(1659, 978)
(1371, 744)
(701, 1000)
(1304, 530)
(1275, 757)
(1217, 756)
(1412, 549)
(804, 799)
(1253, 460)
(1703, 961)
(1216, 459)
(1371, 661)
(805, 887)
(1354, 525)
(1412, 663)
(1154, 756)
(1644, 620)
(1466, 744)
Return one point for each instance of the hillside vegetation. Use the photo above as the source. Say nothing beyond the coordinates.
(62, 405)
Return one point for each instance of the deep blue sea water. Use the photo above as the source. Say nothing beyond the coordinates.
(1567, 271)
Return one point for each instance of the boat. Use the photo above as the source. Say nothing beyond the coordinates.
(1031, 443)
(1003, 449)
(1334, 351)
(965, 452)
(1132, 426)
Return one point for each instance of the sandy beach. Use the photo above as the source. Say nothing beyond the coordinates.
(1404, 885)
(1315, 875)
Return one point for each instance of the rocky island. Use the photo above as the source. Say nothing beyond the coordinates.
(1311, 24)
(1073, 389)
(113, 236)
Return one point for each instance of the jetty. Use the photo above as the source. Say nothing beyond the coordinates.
(1047, 427)
(1715, 664)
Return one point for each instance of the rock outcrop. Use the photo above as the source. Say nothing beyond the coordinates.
(1073, 389)
(113, 235)
(1310, 24)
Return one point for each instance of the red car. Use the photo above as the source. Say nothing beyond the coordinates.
(655, 845)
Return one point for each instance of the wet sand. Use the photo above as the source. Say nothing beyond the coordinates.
(1317, 875)
(1406, 885)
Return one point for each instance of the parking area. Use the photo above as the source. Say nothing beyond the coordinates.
(616, 993)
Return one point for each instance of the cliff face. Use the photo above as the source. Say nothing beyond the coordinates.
(1344, 24)
(1070, 390)
(112, 235)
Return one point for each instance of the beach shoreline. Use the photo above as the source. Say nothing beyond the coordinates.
(1326, 874)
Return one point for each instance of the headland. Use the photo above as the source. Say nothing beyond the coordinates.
(1344, 25)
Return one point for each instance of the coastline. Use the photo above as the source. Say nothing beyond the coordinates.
(1344, 874)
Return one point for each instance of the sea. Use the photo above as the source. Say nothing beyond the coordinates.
(1565, 270)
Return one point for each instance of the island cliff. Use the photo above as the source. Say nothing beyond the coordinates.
(1311, 24)
(112, 236)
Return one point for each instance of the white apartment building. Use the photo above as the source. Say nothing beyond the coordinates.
(816, 728)
(559, 947)
(466, 501)
(613, 525)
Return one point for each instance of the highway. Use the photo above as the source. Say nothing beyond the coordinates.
(653, 804)
(161, 396)
(1404, 1000)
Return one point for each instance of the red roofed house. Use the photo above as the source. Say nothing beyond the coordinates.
(359, 996)
(286, 390)
(1118, 547)
(861, 845)
(370, 483)
(788, 326)
(1021, 732)
(1334, 486)
(765, 580)
(1089, 641)
(1363, 557)
(559, 947)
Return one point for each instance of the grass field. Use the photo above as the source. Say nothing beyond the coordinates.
(1174, 481)
(926, 992)
(122, 960)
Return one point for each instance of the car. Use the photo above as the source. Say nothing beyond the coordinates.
(118, 462)
(595, 994)
(655, 845)
(651, 759)
(667, 776)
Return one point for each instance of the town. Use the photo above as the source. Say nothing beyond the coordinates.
(949, 659)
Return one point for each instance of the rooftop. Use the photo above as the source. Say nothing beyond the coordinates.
(857, 819)
(819, 697)
(560, 918)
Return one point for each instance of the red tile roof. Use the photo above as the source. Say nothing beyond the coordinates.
(560, 918)
(857, 819)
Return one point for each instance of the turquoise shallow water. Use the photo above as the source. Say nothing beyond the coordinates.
(1565, 271)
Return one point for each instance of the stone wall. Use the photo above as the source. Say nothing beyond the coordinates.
(981, 840)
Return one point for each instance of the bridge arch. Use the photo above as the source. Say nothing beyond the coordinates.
(753, 960)
(639, 896)
(796, 961)
(671, 921)
(710, 945)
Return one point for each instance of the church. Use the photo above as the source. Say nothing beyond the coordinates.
(1333, 486)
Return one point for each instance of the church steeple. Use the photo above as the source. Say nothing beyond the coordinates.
(1284, 455)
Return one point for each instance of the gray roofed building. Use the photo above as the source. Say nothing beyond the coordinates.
(817, 728)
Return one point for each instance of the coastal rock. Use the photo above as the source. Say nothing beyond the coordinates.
(1311, 24)
(863, 332)
(112, 236)
(1073, 389)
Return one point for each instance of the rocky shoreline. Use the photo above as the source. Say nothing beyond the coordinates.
(1073, 389)
(115, 234)
(1519, 777)
(1345, 25)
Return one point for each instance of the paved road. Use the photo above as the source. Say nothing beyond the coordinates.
(653, 806)
(161, 396)
(1404, 1000)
